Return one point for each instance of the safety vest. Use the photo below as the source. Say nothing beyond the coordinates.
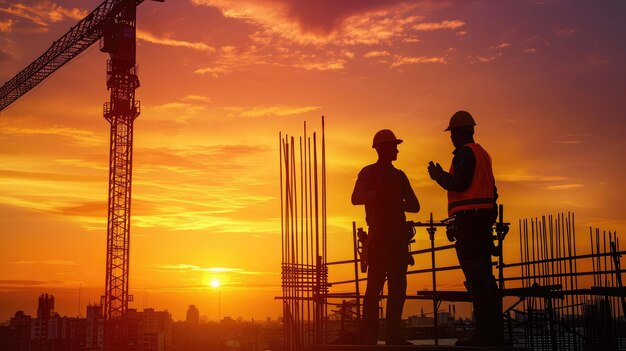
(479, 194)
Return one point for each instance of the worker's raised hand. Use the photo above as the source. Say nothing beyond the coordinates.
(434, 170)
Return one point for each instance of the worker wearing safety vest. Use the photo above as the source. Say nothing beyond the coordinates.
(472, 197)
(387, 195)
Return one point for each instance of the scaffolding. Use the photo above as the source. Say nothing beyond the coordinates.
(579, 300)
(554, 297)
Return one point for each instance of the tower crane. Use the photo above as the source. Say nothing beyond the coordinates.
(113, 23)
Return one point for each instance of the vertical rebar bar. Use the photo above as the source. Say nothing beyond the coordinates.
(431, 234)
(318, 307)
(572, 231)
(324, 226)
(355, 242)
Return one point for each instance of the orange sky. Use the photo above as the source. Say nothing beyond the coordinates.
(220, 79)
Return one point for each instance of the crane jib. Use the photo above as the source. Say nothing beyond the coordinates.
(80, 37)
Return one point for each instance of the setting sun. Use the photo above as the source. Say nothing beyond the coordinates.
(215, 283)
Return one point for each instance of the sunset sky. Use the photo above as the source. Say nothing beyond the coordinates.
(545, 80)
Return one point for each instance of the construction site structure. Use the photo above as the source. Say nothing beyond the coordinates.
(553, 298)
(553, 295)
(114, 23)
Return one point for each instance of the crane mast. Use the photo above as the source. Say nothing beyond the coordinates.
(122, 109)
(113, 21)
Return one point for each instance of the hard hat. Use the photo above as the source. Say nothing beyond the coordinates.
(461, 119)
(385, 136)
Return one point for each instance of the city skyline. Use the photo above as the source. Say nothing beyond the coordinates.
(220, 79)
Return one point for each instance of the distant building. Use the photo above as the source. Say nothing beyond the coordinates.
(45, 327)
(149, 330)
(70, 333)
(193, 315)
(21, 325)
(94, 333)
(443, 318)
(48, 331)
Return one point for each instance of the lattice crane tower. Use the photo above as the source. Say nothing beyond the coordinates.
(113, 21)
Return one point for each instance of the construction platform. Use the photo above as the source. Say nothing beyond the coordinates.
(411, 348)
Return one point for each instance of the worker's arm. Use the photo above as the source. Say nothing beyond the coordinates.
(411, 204)
(464, 163)
(362, 192)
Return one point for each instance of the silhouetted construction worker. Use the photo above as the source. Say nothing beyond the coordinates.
(387, 195)
(472, 197)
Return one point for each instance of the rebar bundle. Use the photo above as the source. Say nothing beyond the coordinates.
(303, 231)
(581, 306)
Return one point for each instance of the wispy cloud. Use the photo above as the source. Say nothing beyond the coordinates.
(200, 187)
(84, 209)
(263, 111)
(177, 216)
(563, 186)
(44, 176)
(333, 65)
(200, 98)
(540, 181)
(177, 106)
(408, 60)
(6, 25)
(151, 38)
(230, 59)
(46, 262)
(501, 46)
(377, 27)
(79, 136)
(184, 188)
(485, 59)
(181, 267)
(327, 22)
(214, 72)
(44, 12)
(82, 163)
(377, 54)
(521, 177)
(24, 282)
(218, 158)
(430, 26)
(282, 38)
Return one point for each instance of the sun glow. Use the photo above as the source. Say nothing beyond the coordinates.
(215, 283)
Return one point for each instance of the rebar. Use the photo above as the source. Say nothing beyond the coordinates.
(303, 233)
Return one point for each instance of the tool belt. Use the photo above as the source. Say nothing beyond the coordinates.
(452, 228)
(364, 240)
